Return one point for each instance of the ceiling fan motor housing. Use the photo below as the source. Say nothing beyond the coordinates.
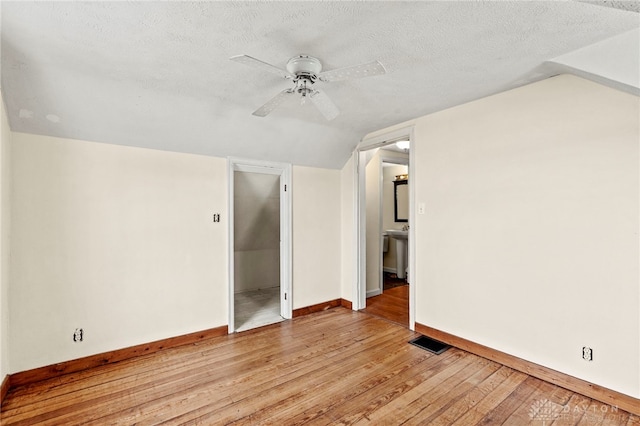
(304, 65)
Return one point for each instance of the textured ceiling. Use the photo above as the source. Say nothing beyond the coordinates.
(157, 74)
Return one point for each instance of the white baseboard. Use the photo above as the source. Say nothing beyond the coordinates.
(371, 293)
(388, 269)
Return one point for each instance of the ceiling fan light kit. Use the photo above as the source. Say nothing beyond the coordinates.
(305, 71)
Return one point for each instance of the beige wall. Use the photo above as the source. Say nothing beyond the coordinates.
(257, 231)
(5, 222)
(316, 235)
(119, 241)
(529, 242)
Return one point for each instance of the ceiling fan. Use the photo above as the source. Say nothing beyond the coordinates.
(305, 71)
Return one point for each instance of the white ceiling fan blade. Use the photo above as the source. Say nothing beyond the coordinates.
(356, 71)
(265, 109)
(257, 63)
(324, 104)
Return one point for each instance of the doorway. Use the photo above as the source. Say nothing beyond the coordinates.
(373, 268)
(259, 244)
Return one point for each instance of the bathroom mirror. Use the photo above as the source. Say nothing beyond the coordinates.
(401, 200)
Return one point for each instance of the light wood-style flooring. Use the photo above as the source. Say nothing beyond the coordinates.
(331, 367)
(392, 304)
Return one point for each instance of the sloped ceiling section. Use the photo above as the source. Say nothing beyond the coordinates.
(630, 5)
(158, 74)
(607, 62)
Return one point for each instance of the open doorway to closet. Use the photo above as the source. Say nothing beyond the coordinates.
(384, 216)
(259, 243)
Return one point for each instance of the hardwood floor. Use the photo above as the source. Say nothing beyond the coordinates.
(392, 304)
(331, 367)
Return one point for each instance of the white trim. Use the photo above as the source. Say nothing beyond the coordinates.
(412, 232)
(230, 256)
(360, 284)
(358, 272)
(257, 166)
(380, 279)
(286, 232)
(368, 143)
(394, 160)
(389, 269)
(374, 292)
(284, 171)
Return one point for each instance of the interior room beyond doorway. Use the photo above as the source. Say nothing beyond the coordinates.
(387, 230)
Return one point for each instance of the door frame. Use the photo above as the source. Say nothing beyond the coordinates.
(359, 289)
(284, 171)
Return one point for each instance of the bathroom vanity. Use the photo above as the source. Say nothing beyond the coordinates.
(401, 239)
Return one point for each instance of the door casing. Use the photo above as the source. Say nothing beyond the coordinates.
(359, 289)
(284, 171)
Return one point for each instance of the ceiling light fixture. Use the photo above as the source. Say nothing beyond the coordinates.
(404, 145)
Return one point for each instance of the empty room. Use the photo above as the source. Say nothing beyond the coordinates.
(320, 212)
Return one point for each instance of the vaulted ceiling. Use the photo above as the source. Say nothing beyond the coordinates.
(158, 74)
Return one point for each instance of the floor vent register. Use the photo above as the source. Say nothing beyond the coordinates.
(430, 345)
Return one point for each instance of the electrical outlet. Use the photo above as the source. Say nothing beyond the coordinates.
(216, 217)
(78, 335)
(587, 353)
